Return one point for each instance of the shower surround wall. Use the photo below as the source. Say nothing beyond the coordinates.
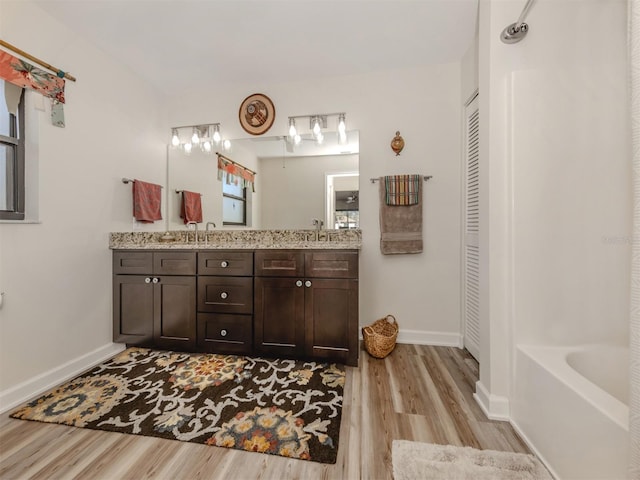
(557, 190)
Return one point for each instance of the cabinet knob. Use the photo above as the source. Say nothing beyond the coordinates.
(147, 280)
(299, 283)
(155, 280)
(307, 283)
(224, 264)
(223, 333)
(224, 295)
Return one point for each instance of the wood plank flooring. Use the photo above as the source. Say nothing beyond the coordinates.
(419, 393)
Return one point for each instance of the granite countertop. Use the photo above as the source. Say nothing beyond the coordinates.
(239, 239)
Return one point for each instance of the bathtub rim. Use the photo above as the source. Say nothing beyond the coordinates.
(554, 360)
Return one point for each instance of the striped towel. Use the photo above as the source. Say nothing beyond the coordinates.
(402, 189)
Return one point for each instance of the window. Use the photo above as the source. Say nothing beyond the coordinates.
(234, 203)
(12, 184)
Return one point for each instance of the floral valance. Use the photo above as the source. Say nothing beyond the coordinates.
(25, 75)
(235, 173)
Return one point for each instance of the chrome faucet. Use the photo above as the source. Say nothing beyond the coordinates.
(318, 224)
(196, 231)
(206, 231)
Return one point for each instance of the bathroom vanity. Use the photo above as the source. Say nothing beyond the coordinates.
(269, 293)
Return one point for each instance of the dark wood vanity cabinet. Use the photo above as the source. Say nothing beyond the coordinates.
(306, 304)
(288, 303)
(154, 298)
(225, 302)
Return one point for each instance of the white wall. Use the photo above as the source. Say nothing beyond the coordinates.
(422, 291)
(556, 194)
(57, 273)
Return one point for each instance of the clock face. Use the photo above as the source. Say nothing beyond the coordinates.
(257, 114)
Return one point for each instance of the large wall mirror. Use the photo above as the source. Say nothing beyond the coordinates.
(296, 185)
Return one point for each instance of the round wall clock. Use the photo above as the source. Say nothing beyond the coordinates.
(257, 114)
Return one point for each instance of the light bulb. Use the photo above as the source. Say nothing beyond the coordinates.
(292, 128)
(195, 138)
(316, 127)
(226, 145)
(216, 134)
(206, 146)
(342, 127)
(187, 148)
(297, 139)
(175, 139)
(320, 138)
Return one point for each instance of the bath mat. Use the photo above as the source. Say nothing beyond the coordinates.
(427, 461)
(282, 407)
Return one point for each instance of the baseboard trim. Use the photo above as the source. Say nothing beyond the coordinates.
(22, 392)
(421, 337)
(495, 407)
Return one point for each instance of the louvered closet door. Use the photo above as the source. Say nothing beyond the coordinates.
(471, 305)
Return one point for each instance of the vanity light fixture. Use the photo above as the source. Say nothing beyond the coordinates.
(292, 128)
(195, 138)
(316, 128)
(204, 136)
(342, 130)
(175, 139)
(318, 122)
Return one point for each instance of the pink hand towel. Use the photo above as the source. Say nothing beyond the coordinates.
(147, 198)
(191, 210)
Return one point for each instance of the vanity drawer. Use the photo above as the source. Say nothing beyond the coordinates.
(220, 333)
(279, 263)
(133, 263)
(174, 263)
(225, 263)
(330, 264)
(225, 294)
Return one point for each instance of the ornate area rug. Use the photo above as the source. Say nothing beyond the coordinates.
(427, 461)
(282, 407)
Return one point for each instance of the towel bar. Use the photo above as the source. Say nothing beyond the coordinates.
(180, 191)
(426, 177)
(129, 180)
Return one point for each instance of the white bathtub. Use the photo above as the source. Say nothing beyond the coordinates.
(571, 405)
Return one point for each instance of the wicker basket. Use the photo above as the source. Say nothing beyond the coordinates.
(380, 337)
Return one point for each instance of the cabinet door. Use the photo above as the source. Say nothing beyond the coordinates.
(331, 319)
(174, 325)
(279, 316)
(133, 309)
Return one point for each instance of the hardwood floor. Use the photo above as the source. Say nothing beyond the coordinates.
(419, 393)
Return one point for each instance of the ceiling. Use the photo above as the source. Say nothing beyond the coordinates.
(183, 44)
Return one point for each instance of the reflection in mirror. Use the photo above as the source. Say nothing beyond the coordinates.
(291, 185)
(342, 191)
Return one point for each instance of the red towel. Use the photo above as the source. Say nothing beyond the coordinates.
(147, 198)
(191, 209)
